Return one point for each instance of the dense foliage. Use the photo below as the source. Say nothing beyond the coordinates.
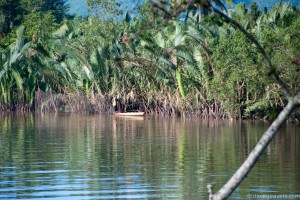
(200, 66)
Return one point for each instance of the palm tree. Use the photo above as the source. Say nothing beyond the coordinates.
(12, 68)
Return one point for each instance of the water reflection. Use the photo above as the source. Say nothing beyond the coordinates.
(61, 156)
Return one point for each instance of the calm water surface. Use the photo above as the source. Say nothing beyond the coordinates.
(103, 157)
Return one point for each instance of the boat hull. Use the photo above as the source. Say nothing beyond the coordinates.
(130, 114)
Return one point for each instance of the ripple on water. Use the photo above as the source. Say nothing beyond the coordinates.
(74, 184)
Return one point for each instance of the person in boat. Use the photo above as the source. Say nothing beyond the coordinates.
(115, 103)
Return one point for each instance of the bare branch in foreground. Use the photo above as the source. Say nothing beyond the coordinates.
(262, 144)
(293, 103)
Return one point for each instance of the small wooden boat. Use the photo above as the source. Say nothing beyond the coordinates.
(130, 114)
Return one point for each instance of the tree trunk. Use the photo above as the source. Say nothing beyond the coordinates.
(262, 144)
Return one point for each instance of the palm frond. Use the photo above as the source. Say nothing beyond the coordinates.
(87, 72)
(18, 80)
(166, 61)
(180, 83)
(195, 34)
(62, 31)
(179, 39)
(160, 41)
(185, 55)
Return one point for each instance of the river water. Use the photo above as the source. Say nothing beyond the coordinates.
(61, 156)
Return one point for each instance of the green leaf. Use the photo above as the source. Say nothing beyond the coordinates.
(30, 82)
(179, 39)
(68, 72)
(18, 80)
(199, 60)
(164, 60)
(184, 55)
(160, 40)
(180, 83)
(62, 31)
(95, 57)
(198, 57)
(194, 33)
(1, 60)
(44, 86)
(87, 72)
(20, 32)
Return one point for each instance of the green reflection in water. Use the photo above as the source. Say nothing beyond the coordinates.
(82, 157)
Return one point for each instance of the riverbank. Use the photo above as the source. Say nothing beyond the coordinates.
(174, 106)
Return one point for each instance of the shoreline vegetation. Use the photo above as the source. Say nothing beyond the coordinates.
(57, 63)
(101, 104)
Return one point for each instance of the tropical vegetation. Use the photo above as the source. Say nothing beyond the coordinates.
(195, 66)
